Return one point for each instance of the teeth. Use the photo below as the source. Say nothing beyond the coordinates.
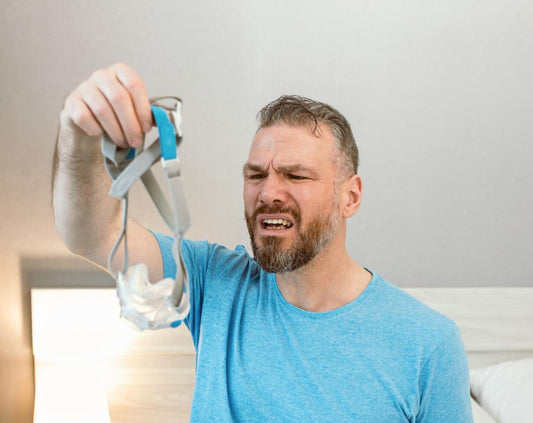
(277, 222)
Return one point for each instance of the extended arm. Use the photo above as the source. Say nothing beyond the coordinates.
(113, 100)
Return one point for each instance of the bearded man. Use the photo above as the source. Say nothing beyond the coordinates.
(300, 332)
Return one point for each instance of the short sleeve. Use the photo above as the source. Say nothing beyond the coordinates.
(193, 254)
(444, 384)
(165, 245)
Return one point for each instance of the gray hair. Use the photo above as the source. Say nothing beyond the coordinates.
(301, 111)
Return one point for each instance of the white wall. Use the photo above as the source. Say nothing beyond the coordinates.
(439, 95)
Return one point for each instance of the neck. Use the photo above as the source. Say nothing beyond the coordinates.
(329, 281)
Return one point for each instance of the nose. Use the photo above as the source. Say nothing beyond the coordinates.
(273, 190)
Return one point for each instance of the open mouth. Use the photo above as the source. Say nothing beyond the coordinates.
(276, 224)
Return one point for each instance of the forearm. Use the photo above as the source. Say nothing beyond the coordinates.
(112, 100)
(86, 217)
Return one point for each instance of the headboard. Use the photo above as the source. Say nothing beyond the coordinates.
(496, 323)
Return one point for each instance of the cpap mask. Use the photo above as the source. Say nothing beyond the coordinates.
(164, 304)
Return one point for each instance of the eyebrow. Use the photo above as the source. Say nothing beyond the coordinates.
(289, 168)
(252, 168)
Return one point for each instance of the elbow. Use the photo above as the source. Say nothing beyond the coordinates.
(74, 242)
(75, 236)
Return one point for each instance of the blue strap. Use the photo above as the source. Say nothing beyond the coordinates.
(167, 137)
(131, 154)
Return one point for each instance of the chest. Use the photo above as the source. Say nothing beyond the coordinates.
(269, 365)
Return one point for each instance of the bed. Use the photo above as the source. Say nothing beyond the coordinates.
(149, 376)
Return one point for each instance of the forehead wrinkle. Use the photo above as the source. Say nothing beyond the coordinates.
(268, 148)
(282, 168)
(293, 167)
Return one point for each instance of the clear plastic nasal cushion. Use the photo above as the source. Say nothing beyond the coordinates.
(145, 305)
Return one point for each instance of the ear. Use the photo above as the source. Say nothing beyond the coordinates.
(351, 191)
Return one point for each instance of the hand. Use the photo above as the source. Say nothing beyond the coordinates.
(113, 100)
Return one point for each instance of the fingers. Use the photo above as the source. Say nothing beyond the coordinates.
(113, 100)
(113, 107)
(76, 110)
(135, 86)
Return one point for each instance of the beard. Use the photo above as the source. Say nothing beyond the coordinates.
(310, 240)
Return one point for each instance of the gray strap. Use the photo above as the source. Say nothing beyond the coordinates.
(124, 169)
(142, 163)
(159, 200)
(177, 196)
(140, 168)
(115, 158)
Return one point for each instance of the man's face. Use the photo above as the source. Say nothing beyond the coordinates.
(290, 200)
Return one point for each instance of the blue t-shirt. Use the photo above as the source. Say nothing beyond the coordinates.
(384, 357)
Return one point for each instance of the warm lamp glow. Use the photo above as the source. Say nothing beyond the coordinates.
(65, 394)
(73, 323)
(75, 335)
(80, 346)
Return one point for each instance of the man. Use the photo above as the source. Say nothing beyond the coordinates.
(301, 333)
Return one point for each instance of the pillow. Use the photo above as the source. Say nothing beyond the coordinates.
(479, 414)
(505, 390)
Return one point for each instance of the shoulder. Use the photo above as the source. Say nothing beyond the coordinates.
(408, 315)
(214, 256)
(427, 340)
(203, 256)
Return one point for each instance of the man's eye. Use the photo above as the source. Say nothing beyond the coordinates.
(296, 177)
(256, 176)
